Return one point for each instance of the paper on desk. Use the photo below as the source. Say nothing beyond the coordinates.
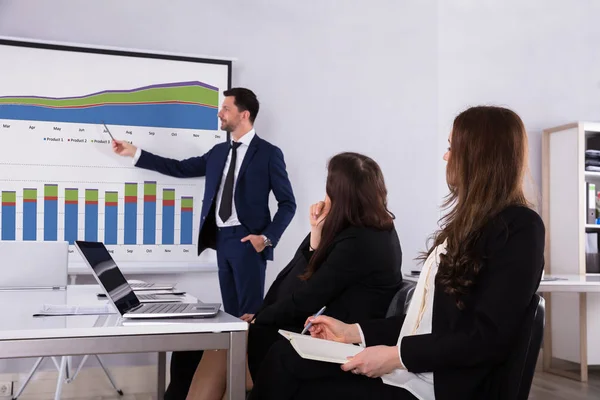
(62, 309)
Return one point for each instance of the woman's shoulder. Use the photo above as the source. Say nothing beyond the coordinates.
(514, 219)
(362, 233)
(519, 216)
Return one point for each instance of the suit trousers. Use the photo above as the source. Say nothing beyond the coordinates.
(241, 272)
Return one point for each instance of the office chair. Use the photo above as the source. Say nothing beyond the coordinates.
(401, 300)
(519, 369)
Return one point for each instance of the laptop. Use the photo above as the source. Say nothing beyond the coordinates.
(122, 296)
(33, 264)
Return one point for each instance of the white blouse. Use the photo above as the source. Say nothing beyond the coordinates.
(418, 321)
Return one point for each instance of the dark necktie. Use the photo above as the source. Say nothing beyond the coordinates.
(227, 197)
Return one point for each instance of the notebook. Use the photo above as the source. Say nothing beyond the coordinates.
(312, 348)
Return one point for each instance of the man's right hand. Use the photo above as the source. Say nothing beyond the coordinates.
(328, 328)
(123, 148)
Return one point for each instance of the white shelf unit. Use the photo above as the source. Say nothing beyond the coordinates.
(573, 319)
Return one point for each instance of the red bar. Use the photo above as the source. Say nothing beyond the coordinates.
(92, 202)
(187, 209)
(130, 199)
(50, 197)
(168, 202)
(150, 198)
(71, 202)
(29, 201)
(111, 203)
(8, 203)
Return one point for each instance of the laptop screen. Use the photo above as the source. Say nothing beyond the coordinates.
(109, 275)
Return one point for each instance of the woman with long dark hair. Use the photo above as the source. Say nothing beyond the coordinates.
(350, 263)
(474, 290)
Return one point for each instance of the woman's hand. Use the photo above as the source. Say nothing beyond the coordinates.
(328, 328)
(317, 214)
(247, 317)
(374, 362)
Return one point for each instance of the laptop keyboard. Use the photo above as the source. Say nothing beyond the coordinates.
(165, 308)
(142, 285)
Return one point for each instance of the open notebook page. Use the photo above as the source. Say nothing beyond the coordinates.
(319, 349)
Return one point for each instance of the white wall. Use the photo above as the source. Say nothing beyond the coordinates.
(331, 75)
(539, 58)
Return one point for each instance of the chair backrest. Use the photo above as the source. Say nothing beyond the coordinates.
(399, 304)
(518, 370)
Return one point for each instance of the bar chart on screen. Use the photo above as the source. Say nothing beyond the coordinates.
(62, 104)
(60, 180)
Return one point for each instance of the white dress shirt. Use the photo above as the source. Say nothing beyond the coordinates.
(240, 154)
(418, 321)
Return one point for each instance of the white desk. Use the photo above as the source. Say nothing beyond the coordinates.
(568, 333)
(571, 283)
(22, 335)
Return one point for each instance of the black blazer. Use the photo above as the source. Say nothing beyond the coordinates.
(285, 277)
(466, 349)
(357, 281)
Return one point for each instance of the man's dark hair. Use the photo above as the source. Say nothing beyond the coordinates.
(244, 100)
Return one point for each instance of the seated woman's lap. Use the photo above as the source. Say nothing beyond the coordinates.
(351, 388)
(286, 375)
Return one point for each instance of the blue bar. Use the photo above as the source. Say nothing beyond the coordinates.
(184, 116)
(168, 225)
(150, 222)
(71, 222)
(29, 220)
(50, 220)
(186, 226)
(110, 224)
(91, 222)
(130, 223)
(9, 215)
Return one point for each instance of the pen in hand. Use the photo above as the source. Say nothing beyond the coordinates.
(307, 327)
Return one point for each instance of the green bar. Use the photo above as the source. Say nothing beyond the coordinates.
(51, 190)
(9, 197)
(187, 202)
(29, 194)
(112, 197)
(71, 194)
(191, 93)
(168, 194)
(91, 194)
(131, 189)
(150, 188)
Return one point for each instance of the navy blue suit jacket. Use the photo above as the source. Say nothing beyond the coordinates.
(262, 171)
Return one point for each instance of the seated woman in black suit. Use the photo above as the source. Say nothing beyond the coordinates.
(473, 292)
(350, 263)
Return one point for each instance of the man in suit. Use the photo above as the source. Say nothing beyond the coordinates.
(235, 218)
